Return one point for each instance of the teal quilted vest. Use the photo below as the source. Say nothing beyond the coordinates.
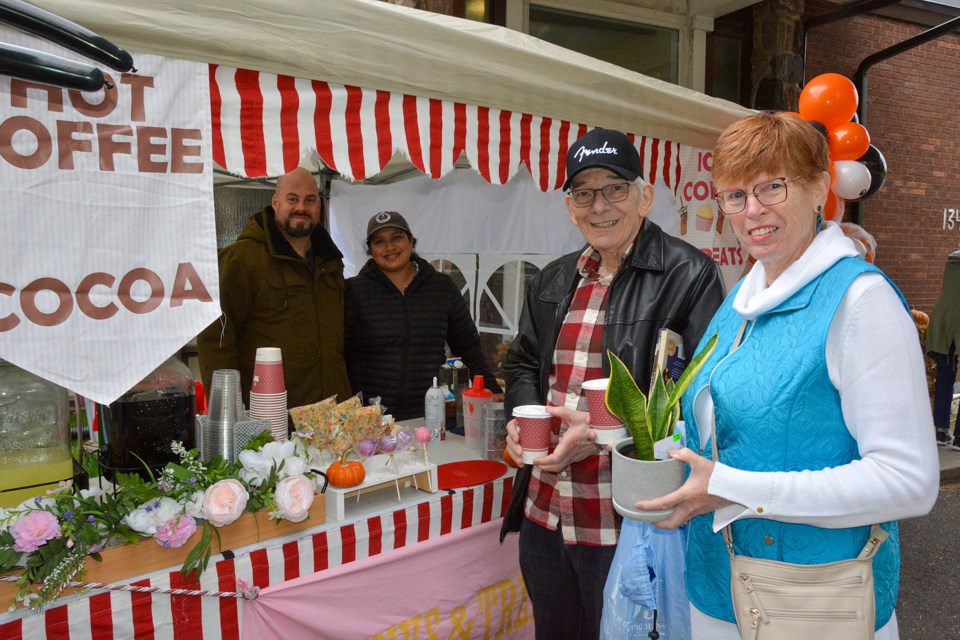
(776, 410)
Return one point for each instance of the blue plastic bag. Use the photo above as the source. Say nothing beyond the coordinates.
(646, 576)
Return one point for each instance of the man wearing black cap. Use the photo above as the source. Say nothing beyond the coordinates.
(630, 281)
(281, 285)
(400, 314)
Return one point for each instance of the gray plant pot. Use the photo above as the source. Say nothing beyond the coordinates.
(635, 480)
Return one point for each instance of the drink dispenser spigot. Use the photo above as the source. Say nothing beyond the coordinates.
(138, 428)
(34, 437)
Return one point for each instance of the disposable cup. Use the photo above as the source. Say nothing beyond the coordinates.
(268, 378)
(268, 354)
(610, 435)
(223, 406)
(596, 393)
(272, 407)
(533, 428)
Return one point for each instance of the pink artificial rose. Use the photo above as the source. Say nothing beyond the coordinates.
(174, 532)
(224, 502)
(33, 530)
(294, 497)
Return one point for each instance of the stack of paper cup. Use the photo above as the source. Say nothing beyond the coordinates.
(268, 394)
(222, 414)
(609, 427)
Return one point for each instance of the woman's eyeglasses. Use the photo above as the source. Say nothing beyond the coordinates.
(768, 193)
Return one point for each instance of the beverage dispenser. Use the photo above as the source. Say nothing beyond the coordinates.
(34, 435)
(140, 425)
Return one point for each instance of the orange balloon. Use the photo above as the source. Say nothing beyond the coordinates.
(830, 99)
(848, 141)
(833, 209)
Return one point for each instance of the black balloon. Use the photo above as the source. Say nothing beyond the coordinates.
(46, 68)
(69, 35)
(877, 164)
(819, 127)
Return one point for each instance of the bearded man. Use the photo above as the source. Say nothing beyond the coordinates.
(281, 285)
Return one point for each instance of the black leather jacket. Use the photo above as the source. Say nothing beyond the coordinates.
(665, 283)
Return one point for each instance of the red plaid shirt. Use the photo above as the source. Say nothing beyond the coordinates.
(578, 500)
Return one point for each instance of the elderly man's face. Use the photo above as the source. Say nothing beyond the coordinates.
(609, 227)
(296, 204)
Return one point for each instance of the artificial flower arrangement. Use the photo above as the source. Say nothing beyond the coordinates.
(50, 537)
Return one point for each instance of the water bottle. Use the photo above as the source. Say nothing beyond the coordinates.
(434, 411)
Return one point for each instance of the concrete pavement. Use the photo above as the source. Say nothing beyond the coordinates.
(949, 464)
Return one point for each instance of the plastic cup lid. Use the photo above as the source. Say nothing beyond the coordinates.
(531, 411)
(596, 384)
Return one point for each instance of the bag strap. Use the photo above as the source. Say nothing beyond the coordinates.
(877, 534)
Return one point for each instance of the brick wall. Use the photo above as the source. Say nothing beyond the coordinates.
(913, 116)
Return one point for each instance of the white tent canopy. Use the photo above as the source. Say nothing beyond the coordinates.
(374, 45)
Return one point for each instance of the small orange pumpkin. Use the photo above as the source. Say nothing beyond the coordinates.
(920, 318)
(344, 473)
(509, 459)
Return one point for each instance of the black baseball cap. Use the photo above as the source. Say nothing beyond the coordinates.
(603, 148)
(387, 219)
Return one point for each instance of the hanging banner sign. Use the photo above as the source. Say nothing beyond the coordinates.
(700, 221)
(108, 260)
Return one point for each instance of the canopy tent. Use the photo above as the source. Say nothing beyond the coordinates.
(405, 61)
(353, 81)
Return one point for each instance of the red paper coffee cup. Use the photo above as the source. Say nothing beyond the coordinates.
(600, 416)
(268, 377)
(533, 428)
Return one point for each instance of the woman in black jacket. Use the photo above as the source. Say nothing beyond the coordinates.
(400, 312)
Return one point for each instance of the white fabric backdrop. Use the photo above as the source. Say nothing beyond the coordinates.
(462, 213)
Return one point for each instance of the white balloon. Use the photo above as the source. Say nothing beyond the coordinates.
(851, 179)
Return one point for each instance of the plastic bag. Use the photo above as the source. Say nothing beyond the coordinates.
(646, 576)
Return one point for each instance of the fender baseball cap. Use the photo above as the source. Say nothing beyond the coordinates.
(386, 219)
(603, 148)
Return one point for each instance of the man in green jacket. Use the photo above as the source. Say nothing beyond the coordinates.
(281, 285)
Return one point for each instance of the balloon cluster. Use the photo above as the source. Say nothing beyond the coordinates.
(857, 168)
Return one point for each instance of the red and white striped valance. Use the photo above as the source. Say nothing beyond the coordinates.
(123, 614)
(264, 124)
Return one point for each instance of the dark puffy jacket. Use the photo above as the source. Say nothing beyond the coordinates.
(395, 342)
(269, 298)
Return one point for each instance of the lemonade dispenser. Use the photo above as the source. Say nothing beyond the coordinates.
(34, 435)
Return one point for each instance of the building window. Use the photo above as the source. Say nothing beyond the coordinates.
(728, 52)
(652, 51)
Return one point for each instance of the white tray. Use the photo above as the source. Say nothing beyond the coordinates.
(406, 470)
